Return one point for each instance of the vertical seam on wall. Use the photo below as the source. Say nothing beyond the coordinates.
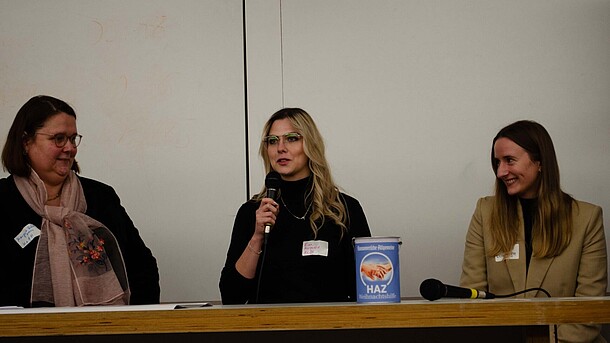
(246, 123)
(282, 50)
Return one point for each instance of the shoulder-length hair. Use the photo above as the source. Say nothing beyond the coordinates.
(552, 224)
(29, 119)
(324, 194)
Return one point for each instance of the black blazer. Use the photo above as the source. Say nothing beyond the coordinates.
(104, 205)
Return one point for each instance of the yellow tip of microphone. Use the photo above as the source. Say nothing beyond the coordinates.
(474, 293)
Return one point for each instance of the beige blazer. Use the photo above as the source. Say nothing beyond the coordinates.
(581, 270)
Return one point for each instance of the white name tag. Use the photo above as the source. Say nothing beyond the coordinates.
(311, 248)
(27, 235)
(514, 255)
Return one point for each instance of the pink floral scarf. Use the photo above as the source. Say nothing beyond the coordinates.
(78, 261)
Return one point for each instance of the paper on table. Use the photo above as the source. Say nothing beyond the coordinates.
(156, 307)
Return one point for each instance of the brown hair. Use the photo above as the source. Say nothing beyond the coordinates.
(552, 225)
(29, 119)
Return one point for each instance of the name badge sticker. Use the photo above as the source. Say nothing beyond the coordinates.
(27, 235)
(514, 255)
(315, 248)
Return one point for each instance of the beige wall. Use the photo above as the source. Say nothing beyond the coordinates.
(408, 95)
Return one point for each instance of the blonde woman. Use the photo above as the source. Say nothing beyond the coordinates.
(533, 235)
(308, 256)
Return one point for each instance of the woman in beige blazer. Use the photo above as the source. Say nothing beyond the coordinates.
(533, 235)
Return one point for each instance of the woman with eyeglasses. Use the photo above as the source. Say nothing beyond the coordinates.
(308, 254)
(531, 234)
(65, 239)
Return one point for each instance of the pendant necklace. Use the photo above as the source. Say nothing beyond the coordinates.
(55, 197)
(292, 214)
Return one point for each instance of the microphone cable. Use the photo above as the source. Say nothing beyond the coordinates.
(261, 264)
(530, 290)
(273, 182)
(525, 291)
(433, 289)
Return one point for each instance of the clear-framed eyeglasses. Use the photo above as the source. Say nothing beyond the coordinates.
(61, 139)
(289, 138)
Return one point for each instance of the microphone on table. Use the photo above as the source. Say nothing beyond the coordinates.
(273, 181)
(433, 289)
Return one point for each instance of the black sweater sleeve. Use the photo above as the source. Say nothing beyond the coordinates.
(235, 288)
(357, 227)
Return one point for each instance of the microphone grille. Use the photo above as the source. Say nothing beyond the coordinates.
(273, 180)
(432, 289)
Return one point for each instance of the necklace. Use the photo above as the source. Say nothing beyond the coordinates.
(292, 214)
(54, 197)
(58, 193)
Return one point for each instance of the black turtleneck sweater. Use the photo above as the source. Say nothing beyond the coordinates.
(528, 208)
(287, 276)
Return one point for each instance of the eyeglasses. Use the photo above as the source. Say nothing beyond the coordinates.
(61, 139)
(291, 137)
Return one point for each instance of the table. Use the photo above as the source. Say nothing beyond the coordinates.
(299, 318)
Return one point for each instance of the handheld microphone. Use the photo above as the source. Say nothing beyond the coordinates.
(272, 183)
(432, 289)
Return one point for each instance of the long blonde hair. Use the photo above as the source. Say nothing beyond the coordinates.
(552, 224)
(325, 195)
